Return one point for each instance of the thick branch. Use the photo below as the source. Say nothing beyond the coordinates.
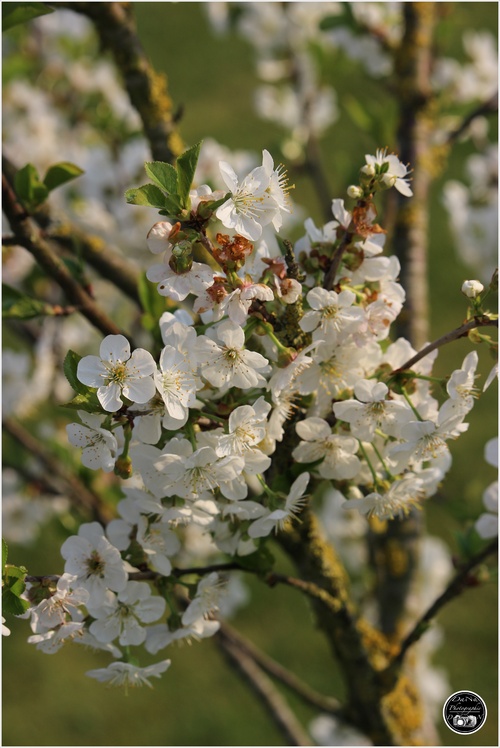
(413, 65)
(454, 588)
(289, 679)
(146, 88)
(397, 548)
(335, 616)
(30, 236)
(56, 474)
(458, 332)
(273, 701)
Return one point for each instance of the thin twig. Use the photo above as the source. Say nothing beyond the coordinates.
(310, 589)
(487, 107)
(30, 236)
(146, 88)
(289, 679)
(56, 474)
(64, 234)
(336, 260)
(458, 332)
(454, 588)
(274, 702)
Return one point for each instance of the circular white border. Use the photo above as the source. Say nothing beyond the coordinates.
(469, 732)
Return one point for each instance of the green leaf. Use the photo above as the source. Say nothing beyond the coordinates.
(12, 604)
(5, 554)
(16, 13)
(262, 561)
(29, 188)
(13, 587)
(89, 403)
(70, 368)
(163, 175)
(61, 173)
(206, 208)
(149, 195)
(172, 208)
(186, 167)
(16, 305)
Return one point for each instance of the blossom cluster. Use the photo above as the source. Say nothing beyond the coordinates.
(272, 346)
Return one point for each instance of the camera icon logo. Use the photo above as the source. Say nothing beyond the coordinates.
(464, 712)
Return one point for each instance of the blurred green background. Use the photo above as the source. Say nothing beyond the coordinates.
(200, 701)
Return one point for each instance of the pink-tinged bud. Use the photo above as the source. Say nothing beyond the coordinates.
(286, 356)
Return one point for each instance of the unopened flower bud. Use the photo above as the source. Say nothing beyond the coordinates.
(369, 170)
(158, 237)
(286, 356)
(182, 259)
(355, 191)
(472, 288)
(388, 180)
(123, 467)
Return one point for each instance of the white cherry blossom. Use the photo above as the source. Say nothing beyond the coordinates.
(118, 373)
(159, 543)
(120, 615)
(426, 440)
(332, 315)
(228, 362)
(99, 446)
(247, 427)
(96, 564)
(255, 202)
(206, 600)
(237, 303)
(275, 520)
(160, 636)
(51, 641)
(157, 239)
(372, 411)
(54, 610)
(127, 675)
(460, 387)
(396, 174)
(397, 501)
(336, 451)
(487, 524)
(179, 285)
(175, 383)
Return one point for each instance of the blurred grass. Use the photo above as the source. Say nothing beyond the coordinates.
(200, 701)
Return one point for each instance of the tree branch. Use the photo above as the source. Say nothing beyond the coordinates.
(413, 66)
(30, 237)
(275, 704)
(146, 88)
(290, 680)
(454, 588)
(336, 260)
(458, 332)
(110, 263)
(487, 107)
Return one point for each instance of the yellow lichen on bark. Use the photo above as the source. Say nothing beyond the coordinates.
(404, 713)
